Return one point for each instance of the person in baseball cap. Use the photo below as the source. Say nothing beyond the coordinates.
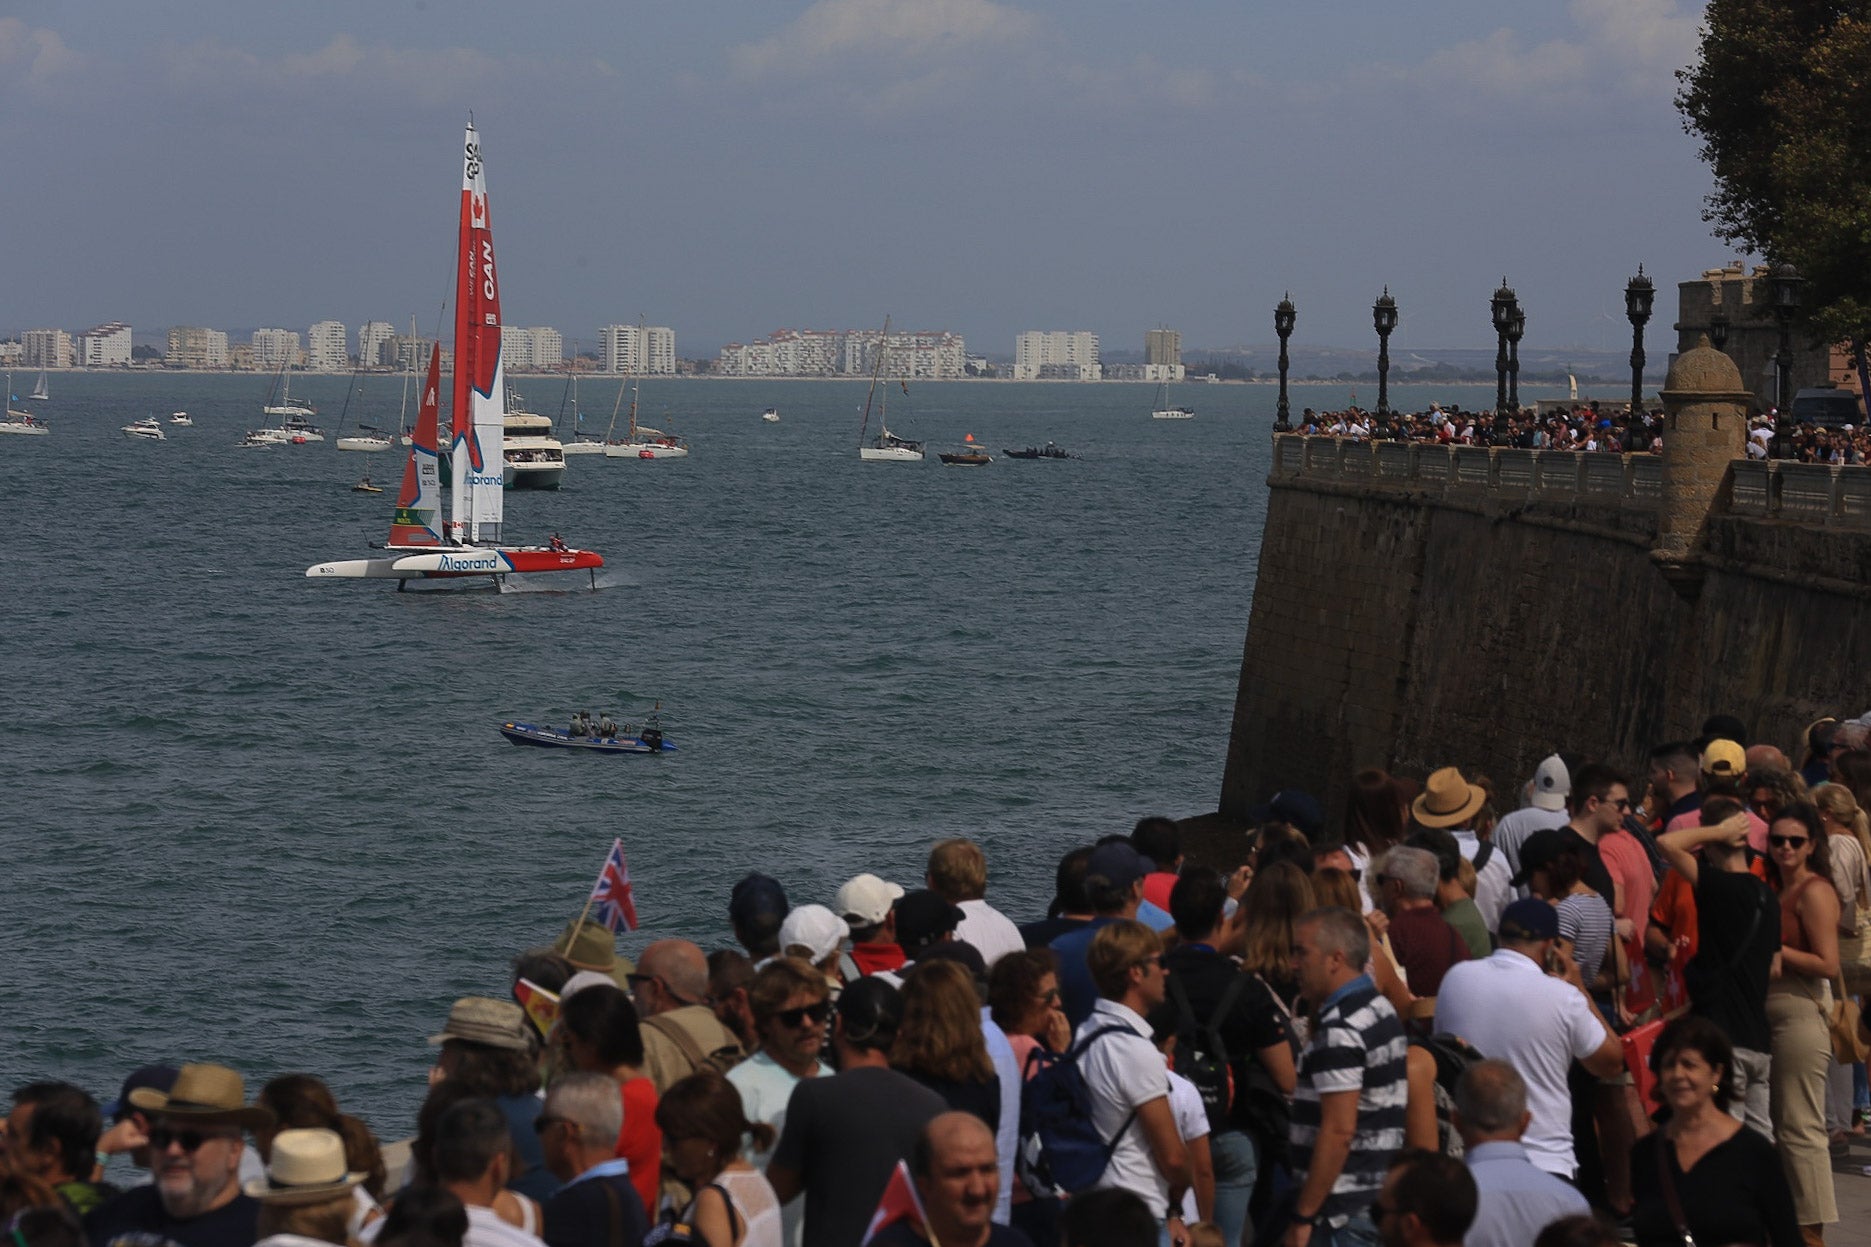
(756, 907)
(923, 918)
(868, 906)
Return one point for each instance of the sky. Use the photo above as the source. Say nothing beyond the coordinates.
(729, 168)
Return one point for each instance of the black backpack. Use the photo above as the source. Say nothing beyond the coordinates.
(1201, 1056)
(1453, 1055)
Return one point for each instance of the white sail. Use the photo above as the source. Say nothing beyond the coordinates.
(480, 378)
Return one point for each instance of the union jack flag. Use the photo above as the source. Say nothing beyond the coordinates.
(611, 901)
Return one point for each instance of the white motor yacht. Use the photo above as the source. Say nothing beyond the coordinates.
(149, 427)
(534, 458)
(181, 419)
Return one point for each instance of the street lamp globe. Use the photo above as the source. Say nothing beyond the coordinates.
(1639, 295)
(1285, 316)
(1384, 312)
(1786, 282)
(1502, 306)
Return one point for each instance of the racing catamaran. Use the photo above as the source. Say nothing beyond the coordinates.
(421, 547)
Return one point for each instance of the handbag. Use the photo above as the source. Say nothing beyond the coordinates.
(1848, 1046)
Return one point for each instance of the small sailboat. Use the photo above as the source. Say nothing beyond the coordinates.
(41, 393)
(886, 447)
(771, 415)
(181, 420)
(149, 427)
(1163, 411)
(16, 421)
(971, 455)
(642, 442)
(582, 441)
(469, 544)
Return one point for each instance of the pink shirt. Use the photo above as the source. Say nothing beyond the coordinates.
(1629, 867)
(1757, 828)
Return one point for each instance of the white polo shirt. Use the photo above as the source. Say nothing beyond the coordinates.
(1511, 1010)
(1124, 1072)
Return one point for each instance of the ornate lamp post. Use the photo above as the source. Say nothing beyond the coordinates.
(1384, 319)
(1501, 307)
(1516, 329)
(1786, 282)
(1639, 293)
(1718, 329)
(1284, 317)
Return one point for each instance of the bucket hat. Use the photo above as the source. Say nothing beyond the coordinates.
(591, 946)
(484, 1020)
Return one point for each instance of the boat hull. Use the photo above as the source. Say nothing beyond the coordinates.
(541, 475)
(889, 454)
(583, 448)
(645, 450)
(967, 460)
(552, 738)
(458, 564)
(1173, 413)
(363, 443)
(25, 430)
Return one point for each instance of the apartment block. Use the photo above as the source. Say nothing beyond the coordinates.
(1056, 355)
(373, 338)
(46, 348)
(829, 353)
(638, 349)
(193, 347)
(328, 347)
(103, 346)
(274, 349)
(538, 349)
(1162, 355)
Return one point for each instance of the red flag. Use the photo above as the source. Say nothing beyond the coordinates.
(542, 1007)
(900, 1203)
(611, 901)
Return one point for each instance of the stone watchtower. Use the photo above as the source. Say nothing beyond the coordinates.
(1705, 408)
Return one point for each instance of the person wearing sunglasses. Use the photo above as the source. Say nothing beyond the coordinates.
(1799, 1000)
(195, 1147)
(792, 1012)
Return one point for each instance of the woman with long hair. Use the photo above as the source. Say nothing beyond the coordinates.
(599, 1034)
(1276, 898)
(302, 1102)
(702, 1127)
(939, 1042)
(1023, 1000)
(1799, 1001)
(1704, 1177)
(1377, 815)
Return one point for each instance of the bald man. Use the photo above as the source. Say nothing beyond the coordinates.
(958, 1177)
(681, 1034)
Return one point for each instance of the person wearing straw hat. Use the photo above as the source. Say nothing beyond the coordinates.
(1450, 803)
(589, 946)
(307, 1197)
(195, 1149)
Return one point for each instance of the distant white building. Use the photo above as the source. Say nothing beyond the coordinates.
(637, 349)
(328, 347)
(373, 336)
(104, 346)
(191, 346)
(1056, 354)
(826, 353)
(538, 349)
(45, 348)
(274, 349)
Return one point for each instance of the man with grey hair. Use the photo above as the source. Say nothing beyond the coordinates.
(1348, 1109)
(1425, 944)
(1518, 1199)
(598, 1206)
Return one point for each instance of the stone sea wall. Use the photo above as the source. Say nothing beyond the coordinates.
(1421, 606)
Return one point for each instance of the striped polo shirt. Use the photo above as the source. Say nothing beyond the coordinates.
(1357, 1045)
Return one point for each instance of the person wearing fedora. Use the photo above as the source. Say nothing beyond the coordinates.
(590, 947)
(487, 1045)
(195, 1148)
(1450, 803)
(308, 1196)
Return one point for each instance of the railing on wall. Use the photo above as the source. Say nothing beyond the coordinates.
(1768, 489)
(1529, 474)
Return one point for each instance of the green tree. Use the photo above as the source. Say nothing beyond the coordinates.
(1780, 100)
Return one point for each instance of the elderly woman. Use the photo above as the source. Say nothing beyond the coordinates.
(1704, 1176)
(1798, 1001)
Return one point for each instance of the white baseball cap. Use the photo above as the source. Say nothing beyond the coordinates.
(1552, 784)
(866, 900)
(814, 928)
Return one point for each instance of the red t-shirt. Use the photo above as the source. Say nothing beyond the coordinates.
(641, 1141)
(871, 958)
(1426, 946)
(1157, 886)
(1629, 866)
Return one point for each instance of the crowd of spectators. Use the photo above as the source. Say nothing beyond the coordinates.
(1620, 1011)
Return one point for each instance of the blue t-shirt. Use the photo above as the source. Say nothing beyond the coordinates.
(1077, 993)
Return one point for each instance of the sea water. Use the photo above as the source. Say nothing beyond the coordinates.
(267, 821)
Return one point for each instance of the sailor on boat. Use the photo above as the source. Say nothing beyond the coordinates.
(607, 728)
(579, 727)
(557, 543)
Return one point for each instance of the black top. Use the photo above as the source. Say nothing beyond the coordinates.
(901, 1235)
(1728, 984)
(137, 1219)
(1736, 1194)
(980, 1098)
(1596, 877)
(603, 1211)
(844, 1135)
(1042, 933)
(1255, 1021)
